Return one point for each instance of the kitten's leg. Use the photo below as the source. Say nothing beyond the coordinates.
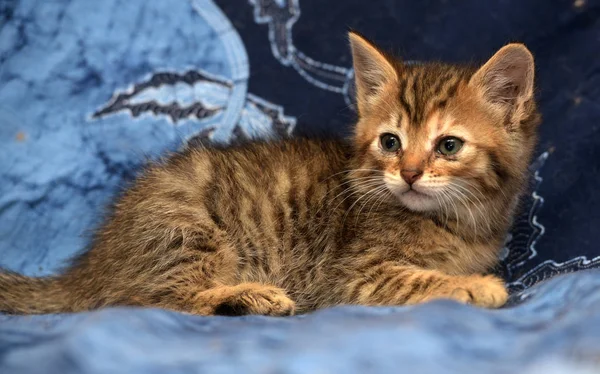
(204, 280)
(244, 298)
(393, 284)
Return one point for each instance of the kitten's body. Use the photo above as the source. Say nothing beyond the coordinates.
(273, 227)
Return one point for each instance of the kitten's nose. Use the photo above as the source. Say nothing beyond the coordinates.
(411, 175)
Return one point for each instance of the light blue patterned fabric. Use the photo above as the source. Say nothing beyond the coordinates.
(556, 331)
(89, 90)
(66, 146)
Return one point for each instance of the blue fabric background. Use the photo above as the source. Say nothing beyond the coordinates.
(89, 90)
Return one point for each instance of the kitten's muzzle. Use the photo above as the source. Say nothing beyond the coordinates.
(410, 176)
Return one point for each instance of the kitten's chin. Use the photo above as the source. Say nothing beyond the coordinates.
(416, 201)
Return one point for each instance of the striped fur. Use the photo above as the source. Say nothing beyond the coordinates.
(290, 226)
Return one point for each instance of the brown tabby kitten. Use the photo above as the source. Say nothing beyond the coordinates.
(415, 208)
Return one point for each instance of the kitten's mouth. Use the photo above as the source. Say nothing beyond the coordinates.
(412, 192)
(409, 192)
(414, 199)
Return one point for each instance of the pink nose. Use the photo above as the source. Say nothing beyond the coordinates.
(411, 175)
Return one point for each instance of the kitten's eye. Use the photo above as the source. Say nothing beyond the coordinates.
(450, 145)
(389, 142)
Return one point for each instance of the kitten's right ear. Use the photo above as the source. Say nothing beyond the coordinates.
(372, 71)
(506, 80)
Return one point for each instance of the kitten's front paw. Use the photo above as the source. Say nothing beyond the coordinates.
(484, 291)
(253, 298)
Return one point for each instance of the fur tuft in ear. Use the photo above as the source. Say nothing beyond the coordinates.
(372, 71)
(506, 79)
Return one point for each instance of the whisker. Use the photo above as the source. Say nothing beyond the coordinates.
(351, 170)
(442, 206)
(375, 193)
(380, 200)
(451, 201)
(366, 184)
(327, 202)
(357, 179)
(356, 202)
(477, 206)
(462, 198)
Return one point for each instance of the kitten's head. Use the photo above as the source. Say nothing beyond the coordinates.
(435, 135)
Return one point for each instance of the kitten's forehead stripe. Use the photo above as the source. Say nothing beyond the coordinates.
(423, 90)
(402, 98)
(441, 83)
(398, 122)
(453, 87)
(416, 94)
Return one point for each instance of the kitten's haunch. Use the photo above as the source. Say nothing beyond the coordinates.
(415, 207)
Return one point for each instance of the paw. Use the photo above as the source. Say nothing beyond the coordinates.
(484, 291)
(257, 299)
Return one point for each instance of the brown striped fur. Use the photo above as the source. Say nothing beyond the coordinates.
(293, 225)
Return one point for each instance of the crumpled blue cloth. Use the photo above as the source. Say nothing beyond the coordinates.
(557, 330)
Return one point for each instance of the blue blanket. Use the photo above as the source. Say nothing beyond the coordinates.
(90, 90)
(556, 331)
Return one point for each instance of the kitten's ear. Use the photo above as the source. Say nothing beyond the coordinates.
(506, 80)
(372, 70)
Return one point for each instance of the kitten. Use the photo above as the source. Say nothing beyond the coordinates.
(415, 207)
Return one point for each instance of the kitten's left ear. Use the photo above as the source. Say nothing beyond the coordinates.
(372, 70)
(506, 80)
